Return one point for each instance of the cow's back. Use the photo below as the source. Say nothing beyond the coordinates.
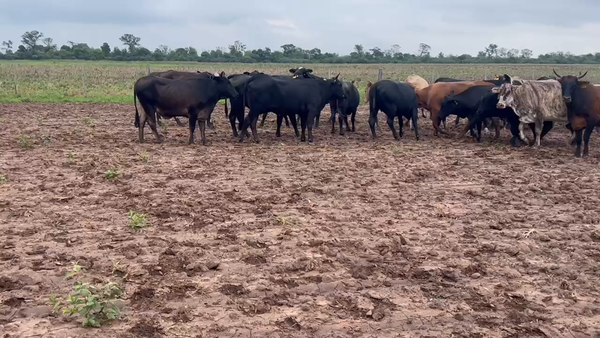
(433, 95)
(401, 95)
(540, 97)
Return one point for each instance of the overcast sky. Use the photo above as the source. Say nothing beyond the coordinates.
(458, 26)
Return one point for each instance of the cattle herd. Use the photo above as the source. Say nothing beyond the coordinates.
(303, 95)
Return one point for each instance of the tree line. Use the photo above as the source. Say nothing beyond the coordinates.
(35, 46)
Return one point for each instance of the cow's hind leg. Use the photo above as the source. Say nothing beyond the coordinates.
(522, 133)
(193, 119)
(279, 122)
(294, 124)
(586, 136)
(202, 125)
(151, 118)
(578, 137)
(264, 117)
(303, 122)
(538, 133)
(390, 122)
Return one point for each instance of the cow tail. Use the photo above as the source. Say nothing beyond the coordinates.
(226, 110)
(137, 114)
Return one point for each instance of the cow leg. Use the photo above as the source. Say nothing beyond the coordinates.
(390, 122)
(522, 133)
(312, 119)
(262, 122)
(317, 118)
(142, 123)
(303, 122)
(578, 137)
(538, 133)
(341, 120)
(232, 118)
(456, 121)
(279, 121)
(589, 128)
(415, 117)
(294, 124)
(287, 121)
(202, 125)
(179, 123)
(333, 122)
(463, 131)
(435, 120)
(193, 119)
(151, 118)
(254, 131)
(401, 125)
(353, 119)
(496, 124)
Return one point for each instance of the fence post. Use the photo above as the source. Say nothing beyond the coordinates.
(329, 74)
(380, 74)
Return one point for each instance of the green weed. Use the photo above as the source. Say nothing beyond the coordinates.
(137, 221)
(112, 174)
(3, 179)
(88, 121)
(94, 303)
(70, 157)
(144, 155)
(25, 142)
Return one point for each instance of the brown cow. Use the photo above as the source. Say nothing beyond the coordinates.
(583, 105)
(431, 97)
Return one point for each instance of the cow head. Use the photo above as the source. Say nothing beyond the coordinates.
(336, 89)
(505, 97)
(224, 86)
(569, 83)
(301, 72)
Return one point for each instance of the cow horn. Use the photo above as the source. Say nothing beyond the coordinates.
(581, 76)
(336, 77)
(556, 73)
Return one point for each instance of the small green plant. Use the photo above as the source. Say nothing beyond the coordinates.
(25, 142)
(112, 173)
(46, 139)
(88, 121)
(164, 127)
(94, 303)
(74, 272)
(137, 221)
(144, 156)
(40, 118)
(3, 179)
(70, 157)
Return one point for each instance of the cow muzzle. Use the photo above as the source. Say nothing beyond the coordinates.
(501, 105)
(567, 99)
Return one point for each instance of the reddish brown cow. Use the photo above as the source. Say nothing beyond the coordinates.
(431, 97)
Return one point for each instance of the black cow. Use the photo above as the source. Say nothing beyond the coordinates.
(178, 75)
(394, 99)
(345, 107)
(464, 105)
(289, 96)
(174, 97)
(448, 79)
(488, 109)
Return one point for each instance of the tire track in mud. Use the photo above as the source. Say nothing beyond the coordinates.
(344, 237)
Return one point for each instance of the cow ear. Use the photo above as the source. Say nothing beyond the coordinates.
(517, 83)
(223, 74)
(293, 70)
(496, 90)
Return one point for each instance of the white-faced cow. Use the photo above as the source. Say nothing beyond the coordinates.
(533, 102)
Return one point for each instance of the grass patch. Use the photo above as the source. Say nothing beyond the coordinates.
(3, 179)
(144, 156)
(112, 174)
(138, 221)
(25, 142)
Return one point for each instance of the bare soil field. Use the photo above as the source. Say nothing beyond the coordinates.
(345, 237)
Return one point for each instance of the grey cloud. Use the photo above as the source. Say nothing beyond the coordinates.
(459, 26)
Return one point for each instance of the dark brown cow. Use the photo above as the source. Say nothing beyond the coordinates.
(431, 97)
(583, 105)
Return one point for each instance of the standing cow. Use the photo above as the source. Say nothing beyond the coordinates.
(345, 107)
(583, 104)
(534, 102)
(174, 97)
(394, 99)
(289, 96)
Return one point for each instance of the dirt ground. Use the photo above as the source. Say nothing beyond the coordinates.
(345, 237)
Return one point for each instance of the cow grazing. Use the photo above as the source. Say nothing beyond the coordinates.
(394, 99)
(583, 104)
(465, 105)
(533, 102)
(174, 97)
(488, 109)
(345, 107)
(289, 96)
(431, 97)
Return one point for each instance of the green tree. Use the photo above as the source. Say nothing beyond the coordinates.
(7, 46)
(105, 48)
(491, 50)
(30, 39)
(130, 41)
